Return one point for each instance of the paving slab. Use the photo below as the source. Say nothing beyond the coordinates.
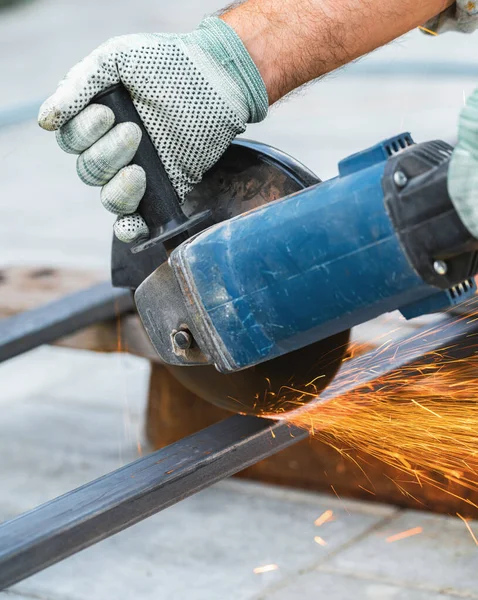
(15, 596)
(338, 586)
(206, 548)
(111, 378)
(68, 416)
(443, 557)
(117, 381)
(48, 450)
(55, 438)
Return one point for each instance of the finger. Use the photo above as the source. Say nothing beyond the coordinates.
(85, 129)
(101, 162)
(130, 228)
(122, 194)
(92, 75)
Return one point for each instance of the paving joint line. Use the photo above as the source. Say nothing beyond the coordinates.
(32, 595)
(398, 583)
(330, 555)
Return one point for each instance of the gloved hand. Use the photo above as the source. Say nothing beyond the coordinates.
(194, 92)
(463, 172)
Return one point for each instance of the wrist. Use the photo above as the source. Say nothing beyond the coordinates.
(253, 28)
(231, 67)
(267, 32)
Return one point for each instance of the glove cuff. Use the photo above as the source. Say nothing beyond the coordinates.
(229, 51)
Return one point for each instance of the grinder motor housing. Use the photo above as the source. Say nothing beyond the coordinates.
(383, 235)
(256, 279)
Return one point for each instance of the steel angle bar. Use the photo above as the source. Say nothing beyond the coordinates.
(107, 505)
(51, 321)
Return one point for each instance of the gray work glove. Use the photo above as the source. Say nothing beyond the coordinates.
(194, 93)
(463, 172)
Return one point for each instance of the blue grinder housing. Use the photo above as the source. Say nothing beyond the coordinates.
(320, 261)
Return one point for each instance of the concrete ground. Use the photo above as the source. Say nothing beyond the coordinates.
(70, 416)
(78, 415)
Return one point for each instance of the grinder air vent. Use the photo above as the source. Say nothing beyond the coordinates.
(434, 153)
(462, 289)
(401, 142)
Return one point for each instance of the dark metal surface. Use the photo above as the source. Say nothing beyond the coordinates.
(99, 509)
(47, 323)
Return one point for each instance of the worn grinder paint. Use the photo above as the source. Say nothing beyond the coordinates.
(381, 236)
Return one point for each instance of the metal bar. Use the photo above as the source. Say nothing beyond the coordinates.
(99, 509)
(103, 507)
(47, 323)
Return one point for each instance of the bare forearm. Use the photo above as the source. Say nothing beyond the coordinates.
(295, 41)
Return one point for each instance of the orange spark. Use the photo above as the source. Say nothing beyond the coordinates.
(366, 490)
(421, 420)
(465, 521)
(265, 569)
(320, 541)
(428, 409)
(119, 336)
(404, 534)
(324, 517)
(428, 30)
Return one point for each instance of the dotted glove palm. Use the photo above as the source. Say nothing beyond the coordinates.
(463, 172)
(194, 93)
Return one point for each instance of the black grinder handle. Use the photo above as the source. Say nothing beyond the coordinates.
(160, 206)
